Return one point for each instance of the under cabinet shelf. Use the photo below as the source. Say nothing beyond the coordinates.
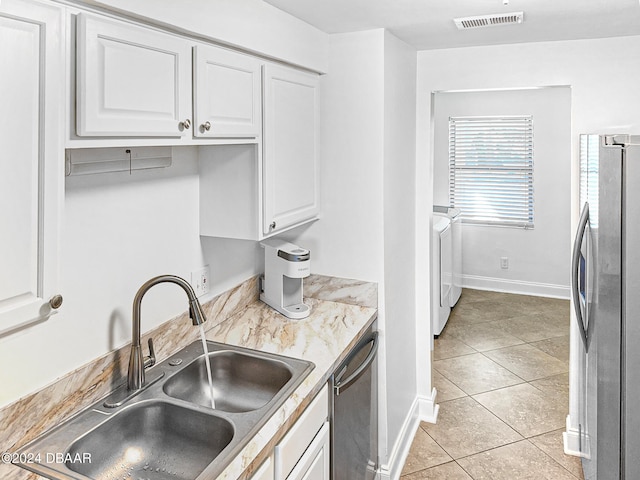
(86, 161)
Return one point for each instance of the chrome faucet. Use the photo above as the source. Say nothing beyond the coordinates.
(137, 363)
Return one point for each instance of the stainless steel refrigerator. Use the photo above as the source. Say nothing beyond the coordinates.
(606, 295)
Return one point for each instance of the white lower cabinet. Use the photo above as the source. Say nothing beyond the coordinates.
(314, 464)
(303, 453)
(265, 472)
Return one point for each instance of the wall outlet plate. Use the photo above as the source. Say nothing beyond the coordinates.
(200, 281)
(504, 263)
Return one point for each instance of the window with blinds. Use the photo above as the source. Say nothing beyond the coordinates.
(589, 166)
(491, 169)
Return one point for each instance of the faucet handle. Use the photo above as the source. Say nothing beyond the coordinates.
(150, 361)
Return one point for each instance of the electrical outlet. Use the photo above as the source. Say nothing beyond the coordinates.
(504, 263)
(200, 281)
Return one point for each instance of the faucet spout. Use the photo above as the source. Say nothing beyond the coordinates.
(137, 364)
(196, 313)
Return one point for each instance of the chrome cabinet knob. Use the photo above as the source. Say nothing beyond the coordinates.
(56, 301)
(206, 126)
(272, 226)
(186, 124)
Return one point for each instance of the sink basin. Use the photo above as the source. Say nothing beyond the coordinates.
(241, 382)
(168, 430)
(154, 440)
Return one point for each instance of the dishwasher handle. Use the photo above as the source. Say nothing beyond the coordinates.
(340, 384)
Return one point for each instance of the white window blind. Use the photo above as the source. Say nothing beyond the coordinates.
(589, 166)
(491, 169)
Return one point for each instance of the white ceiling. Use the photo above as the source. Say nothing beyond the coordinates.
(428, 24)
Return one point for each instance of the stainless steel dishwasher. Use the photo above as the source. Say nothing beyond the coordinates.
(354, 413)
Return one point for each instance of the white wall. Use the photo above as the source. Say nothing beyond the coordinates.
(399, 231)
(539, 257)
(252, 25)
(367, 228)
(118, 232)
(605, 98)
(348, 240)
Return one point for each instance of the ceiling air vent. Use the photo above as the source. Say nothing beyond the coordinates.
(464, 23)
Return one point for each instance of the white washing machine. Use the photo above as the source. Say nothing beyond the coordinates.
(441, 271)
(456, 234)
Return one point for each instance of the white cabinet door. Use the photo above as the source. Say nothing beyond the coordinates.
(290, 147)
(31, 164)
(227, 93)
(131, 81)
(265, 472)
(314, 464)
(304, 440)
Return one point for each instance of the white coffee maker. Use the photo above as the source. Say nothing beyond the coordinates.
(285, 265)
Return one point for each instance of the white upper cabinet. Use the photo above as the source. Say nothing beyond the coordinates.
(134, 81)
(131, 81)
(227, 93)
(31, 164)
(290, 160)
(256, 191)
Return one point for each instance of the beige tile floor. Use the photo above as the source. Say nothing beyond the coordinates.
(501, 370)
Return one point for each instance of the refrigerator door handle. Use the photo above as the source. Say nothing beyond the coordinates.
(575, 269)
(340, 384)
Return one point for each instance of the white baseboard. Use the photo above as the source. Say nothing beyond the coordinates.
(516, 286)
(423, 409)
(571, 440)
(392, 469)
(428, 408)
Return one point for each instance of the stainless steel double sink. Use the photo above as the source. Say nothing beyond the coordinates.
(169, 431)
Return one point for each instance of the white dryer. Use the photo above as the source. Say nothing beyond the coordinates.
(456, 234)
(441, 271)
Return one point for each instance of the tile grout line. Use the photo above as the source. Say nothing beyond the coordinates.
(507, 444)
(553, 459)
(465, 470)
(503, 366)
(491, 413)
(485, 391)
(514, 373)
(544, 393)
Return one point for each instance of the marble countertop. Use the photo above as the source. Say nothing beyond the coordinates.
(324, 338)
(341, 310)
